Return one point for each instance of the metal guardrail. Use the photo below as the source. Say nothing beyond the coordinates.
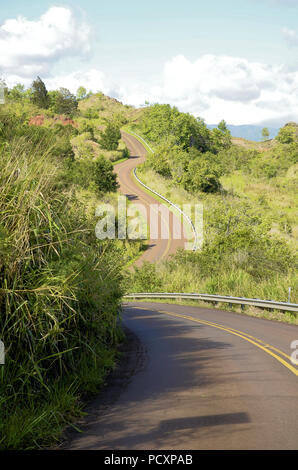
(271, 304)
(186, 217)
(195, 245)
(141, 138)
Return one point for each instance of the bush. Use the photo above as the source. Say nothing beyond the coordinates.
(62, 101)
(110, 137)
(87, 127)
(288, 134)
(159, 122)
(90, 113)
(202, 174)
(59, 288)
(96, 175)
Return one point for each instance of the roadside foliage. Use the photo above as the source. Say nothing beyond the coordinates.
(60, 287)
(250, 207)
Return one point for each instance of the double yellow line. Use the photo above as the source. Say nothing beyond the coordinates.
(271, 350)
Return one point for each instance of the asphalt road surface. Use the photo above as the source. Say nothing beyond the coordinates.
(193, 378)
(206, 379)
(158, 248)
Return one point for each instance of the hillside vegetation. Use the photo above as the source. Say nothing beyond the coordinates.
(250, 207)
(60, 287)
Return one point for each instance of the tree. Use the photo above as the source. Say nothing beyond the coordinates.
(86, 126)
(40, 95)
(164, 158)
(110, 137)
(222, 126)
(104, 176)
(17, 92)
(221, 136)
(28, 93)
(288, 134)
(81, 93)
(90, 113)
(265, 133)
(202, 174)
(161, 121)
(63, 102)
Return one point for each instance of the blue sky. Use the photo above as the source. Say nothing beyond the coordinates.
(235, 60)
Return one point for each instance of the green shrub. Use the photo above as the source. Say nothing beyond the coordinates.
(161, 121)
(110, 137)
(59, 287)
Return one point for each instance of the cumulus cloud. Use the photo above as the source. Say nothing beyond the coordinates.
(92, 79)
(29, 48)
(213, 87)
(223, 87)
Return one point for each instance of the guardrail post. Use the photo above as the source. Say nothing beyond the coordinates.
(289, 297)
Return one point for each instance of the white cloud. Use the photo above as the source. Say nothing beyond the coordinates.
(223, 87)
(29, 48)
(213, 87)
(93, 80)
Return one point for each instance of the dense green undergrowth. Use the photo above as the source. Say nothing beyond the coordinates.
(60, 287)
(250, 232)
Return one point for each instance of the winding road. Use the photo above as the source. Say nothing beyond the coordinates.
(158, 248)
(194, 378)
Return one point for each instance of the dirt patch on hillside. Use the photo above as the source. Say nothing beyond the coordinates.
(39, 120)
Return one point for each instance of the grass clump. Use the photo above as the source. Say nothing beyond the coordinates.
(59, 288)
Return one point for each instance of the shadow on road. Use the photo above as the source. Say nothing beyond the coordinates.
(178, 363)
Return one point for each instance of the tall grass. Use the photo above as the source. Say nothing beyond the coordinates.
(241, 255)
(59, 295)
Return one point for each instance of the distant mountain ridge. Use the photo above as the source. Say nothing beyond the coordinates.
(248, 131)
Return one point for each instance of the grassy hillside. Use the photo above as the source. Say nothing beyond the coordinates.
(253, 145)
(60, 287)
(107, 108)
(250, 210)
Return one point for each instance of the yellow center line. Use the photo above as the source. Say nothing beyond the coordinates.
(251, 339)
(241, 332)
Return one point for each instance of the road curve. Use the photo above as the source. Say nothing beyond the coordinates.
(195, 378)
(157, 248)
(210, 380)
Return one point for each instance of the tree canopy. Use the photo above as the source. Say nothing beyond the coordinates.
(63, 102)
(111, 136)
(40, 95)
